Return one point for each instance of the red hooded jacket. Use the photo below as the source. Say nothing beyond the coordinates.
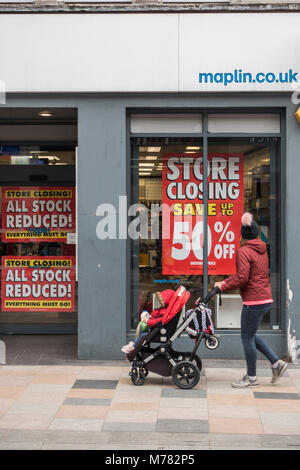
(252, 272)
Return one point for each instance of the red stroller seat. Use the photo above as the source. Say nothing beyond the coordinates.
(180, 298)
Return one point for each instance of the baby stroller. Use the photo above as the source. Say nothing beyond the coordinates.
(162, 359)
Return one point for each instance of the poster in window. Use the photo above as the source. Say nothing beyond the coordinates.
(35, 214)
(30, 284)
(182, 218)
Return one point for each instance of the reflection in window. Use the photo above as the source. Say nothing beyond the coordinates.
(36, 155)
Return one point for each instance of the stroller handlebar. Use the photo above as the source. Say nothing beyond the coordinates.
(213, 292)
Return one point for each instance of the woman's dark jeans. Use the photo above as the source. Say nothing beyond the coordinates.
(251, 318)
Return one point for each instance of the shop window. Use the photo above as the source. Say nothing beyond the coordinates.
(260, 191)
(150, 269)
(38, 227)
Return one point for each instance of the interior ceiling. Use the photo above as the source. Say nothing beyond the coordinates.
(246, 148)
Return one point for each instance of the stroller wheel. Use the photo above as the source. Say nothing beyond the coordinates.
(212, 342)
(185, 375)
(196, 360)
(138, 376)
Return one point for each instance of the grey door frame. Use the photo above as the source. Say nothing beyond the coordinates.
(276, 152)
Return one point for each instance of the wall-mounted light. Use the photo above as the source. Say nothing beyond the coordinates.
(45, 114)
(297, 114)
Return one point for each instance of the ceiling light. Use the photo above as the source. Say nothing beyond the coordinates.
(190, 152)
(151, 157)
(45, 114)
(193, 148)
(146, 165)
(50, 157)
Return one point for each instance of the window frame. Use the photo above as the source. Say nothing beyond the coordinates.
(204, 138)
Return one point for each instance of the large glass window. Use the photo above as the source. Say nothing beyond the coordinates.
(150, 269)
(194, 218)
(260, 190)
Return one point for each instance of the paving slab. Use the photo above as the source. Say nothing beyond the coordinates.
(178, 393)
(277, 395)
(182, 425)
(126, 427)
(36, 445)
(76, 424)
(87, 401)
(182, 413)
(95, 384)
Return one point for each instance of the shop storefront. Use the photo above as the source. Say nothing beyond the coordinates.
(136, 181)
(192, 190)
(38, 221)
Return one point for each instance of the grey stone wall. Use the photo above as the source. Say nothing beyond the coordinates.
(147, 6)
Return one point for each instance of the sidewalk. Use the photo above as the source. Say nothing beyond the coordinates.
(97, 407)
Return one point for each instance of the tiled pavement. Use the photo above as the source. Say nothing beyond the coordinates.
(97, 407)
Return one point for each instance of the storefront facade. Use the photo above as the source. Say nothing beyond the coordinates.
(129, 134)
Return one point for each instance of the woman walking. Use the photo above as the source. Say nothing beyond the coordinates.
(252, 278)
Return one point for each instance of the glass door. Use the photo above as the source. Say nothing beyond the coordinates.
(255, 179)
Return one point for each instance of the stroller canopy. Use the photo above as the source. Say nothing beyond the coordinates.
(179, 299)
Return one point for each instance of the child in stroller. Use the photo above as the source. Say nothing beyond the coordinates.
(149, 321)
(184, 367)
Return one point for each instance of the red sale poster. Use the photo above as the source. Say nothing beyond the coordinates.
(32, 214)
(38, 283)
(183, 212)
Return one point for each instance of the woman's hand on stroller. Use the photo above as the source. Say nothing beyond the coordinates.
(218, 284)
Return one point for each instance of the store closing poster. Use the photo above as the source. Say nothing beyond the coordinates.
(182, 215)
(32, 214)
(38, 284)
